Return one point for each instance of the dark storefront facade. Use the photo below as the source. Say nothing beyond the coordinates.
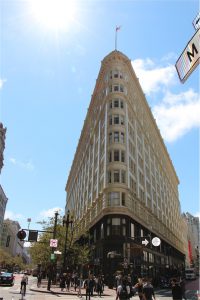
(119, 245)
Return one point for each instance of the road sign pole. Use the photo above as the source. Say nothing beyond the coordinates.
(52, 264)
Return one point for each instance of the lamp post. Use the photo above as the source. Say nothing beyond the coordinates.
(66, 223)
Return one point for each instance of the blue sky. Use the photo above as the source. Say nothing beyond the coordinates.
(48, 73)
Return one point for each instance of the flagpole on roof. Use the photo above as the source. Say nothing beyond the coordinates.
(116, 30)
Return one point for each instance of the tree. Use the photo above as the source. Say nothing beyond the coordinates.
(77, 254)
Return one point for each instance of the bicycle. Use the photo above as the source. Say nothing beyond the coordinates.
(23, 291)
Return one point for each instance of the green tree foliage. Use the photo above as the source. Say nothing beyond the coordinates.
(8, 261)
(41, 251)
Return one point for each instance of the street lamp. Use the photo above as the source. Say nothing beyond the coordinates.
(66, 223)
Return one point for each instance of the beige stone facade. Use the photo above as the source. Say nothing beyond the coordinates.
(121, 165)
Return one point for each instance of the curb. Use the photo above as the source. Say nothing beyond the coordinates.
(35, 289)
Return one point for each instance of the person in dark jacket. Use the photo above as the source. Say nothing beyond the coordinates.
(148, 290)
(176, 290)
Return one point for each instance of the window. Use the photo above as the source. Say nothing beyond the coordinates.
(110, 137)
(116, 88)
(115, 226)
(121, 88)
(122, 104)
(109, 176)
(122, 137)
(110, 104)
(123, 176)
(116, 119)
(116, 176)
(114, 199)
(122, 156)
(116, 155)
(110, 120)
(116, 136)
(116, 103)
(102, 231)
(122, 120)
(132, 230)
(123, 199)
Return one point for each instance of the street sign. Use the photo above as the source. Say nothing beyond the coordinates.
(196, 22)
(156, 241)
(53, 243)
(189, 58)
(57, 252)
(145, 242)
(52, 256)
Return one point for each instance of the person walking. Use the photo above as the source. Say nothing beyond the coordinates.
(79, 286)
(123, 290)
(99, 286)
(176, 290)
(88, 284)
(62, 282)
(139, 287)
(148, 290)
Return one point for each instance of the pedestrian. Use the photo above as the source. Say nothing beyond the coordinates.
(139, 287)
(79, 286)
(63, 281)
(24, 282)
(123, 290)
(99, 286)
(148, 290)
(88, 285)
(176, 290)
(182, 284)
(39, 279)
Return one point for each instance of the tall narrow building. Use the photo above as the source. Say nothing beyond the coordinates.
(122, 186)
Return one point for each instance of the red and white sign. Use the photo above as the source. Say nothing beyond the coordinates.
(53, 243)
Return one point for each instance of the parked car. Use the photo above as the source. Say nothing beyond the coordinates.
(7, 278)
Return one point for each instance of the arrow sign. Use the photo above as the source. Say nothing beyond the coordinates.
(145, 242)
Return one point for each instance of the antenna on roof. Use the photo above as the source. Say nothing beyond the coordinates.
(116, 31)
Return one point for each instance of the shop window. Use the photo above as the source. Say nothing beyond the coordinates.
(132, 230)
(115, 226)
(102, 231)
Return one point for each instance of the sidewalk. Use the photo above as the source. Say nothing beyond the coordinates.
(55, 289)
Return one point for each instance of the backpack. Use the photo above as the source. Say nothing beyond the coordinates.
(123, 293)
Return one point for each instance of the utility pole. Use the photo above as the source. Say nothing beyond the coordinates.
(66, 222)
(52, 266)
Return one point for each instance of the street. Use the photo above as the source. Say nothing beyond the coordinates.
(13, 293)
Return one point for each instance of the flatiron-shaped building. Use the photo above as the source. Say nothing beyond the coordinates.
(122, 186)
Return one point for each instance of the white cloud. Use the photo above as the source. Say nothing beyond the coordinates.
(177, 114)
(25, 165)
(2, 81)
(50, 212)
(197, 214)
(153, 78)
(12, 216)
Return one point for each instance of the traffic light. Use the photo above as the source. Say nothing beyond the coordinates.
(21, 234)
